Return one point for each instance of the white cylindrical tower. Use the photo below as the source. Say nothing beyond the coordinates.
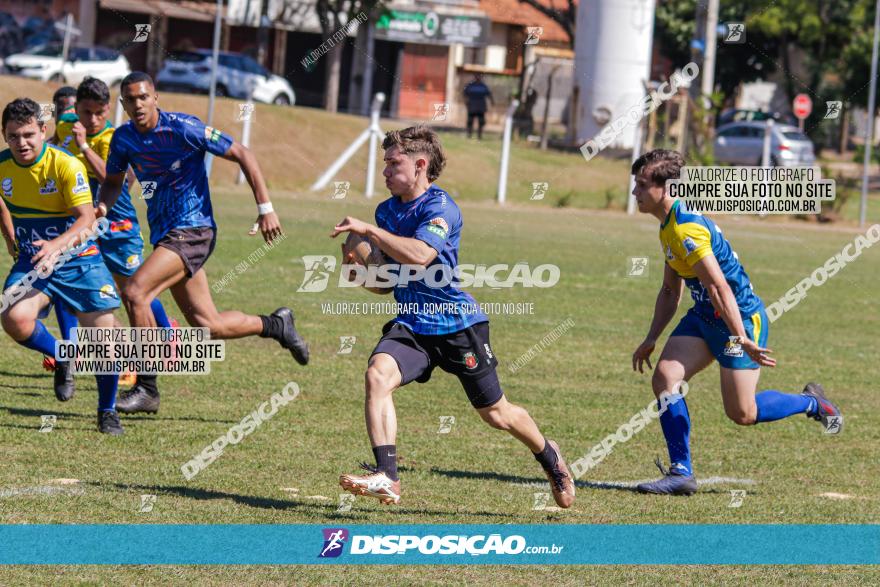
(613, 47)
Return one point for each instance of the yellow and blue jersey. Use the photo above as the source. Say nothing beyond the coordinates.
(39, 197)
(686, 237)
(122, 216)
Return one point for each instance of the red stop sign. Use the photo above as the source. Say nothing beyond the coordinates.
(802, 106)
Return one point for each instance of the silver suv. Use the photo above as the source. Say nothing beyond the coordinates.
(742, 143)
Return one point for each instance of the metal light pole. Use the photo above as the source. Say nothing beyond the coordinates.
(869, 127)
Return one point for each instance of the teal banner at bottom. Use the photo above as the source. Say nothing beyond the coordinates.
(155, 544)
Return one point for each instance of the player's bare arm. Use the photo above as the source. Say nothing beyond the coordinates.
(8, 230)
(410, 251)
(664, 310)
(712, 278)
(95, 162)
(268, 222)
(111, 187)
(84, 215)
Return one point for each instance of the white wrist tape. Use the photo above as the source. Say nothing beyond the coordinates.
(265, 208)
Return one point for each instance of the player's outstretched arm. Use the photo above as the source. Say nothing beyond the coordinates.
(712, 278)
(267, 220)
(409, 251)
(664, 310)
(110, 190)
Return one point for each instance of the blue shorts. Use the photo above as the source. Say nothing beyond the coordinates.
(82, 288)
(122, 248)
(716, 334)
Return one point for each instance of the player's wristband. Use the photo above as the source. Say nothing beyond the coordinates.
(85, 147)
(265, 208)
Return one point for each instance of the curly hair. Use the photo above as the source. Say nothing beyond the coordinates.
(22, 111)
(419, 139)
(660, 164)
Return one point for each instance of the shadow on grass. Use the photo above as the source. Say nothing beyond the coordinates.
(29, 412)
(27, 375)
(629, 487)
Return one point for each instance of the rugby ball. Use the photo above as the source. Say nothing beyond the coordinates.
(364, 253)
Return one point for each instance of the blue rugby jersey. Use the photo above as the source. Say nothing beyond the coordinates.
(169, 162)
(435, 219)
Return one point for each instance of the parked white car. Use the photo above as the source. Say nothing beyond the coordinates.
(44, 63)
(190, 72)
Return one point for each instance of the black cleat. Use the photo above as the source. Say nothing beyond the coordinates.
(138, 399)
(108, 423)
(675, 481)
(290, 338)
(64, 383)
(826, 412)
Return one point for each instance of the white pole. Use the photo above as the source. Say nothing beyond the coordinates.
(505, 151)
(637, 152)
(117, 116)
(707, 83)
(869, 128)
(375, 133)
(371, 133)
(246, 127)
(768, 137)
(212, 88)
(65, 49)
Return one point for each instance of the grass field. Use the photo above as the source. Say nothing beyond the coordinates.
(578, 389)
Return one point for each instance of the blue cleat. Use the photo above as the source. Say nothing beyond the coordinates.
(674, 482)
(826, 412)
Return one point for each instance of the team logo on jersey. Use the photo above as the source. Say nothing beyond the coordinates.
(6, 186)
(689, 245)
(438, 226)
(668, 253)
(121, 226)
(48, 187)
(66, 142)
(470, 360)
(212, 134)
(148, 189)
(132, 261)
(81, 184)
(107, 292)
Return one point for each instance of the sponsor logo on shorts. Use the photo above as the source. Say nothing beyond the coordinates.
(107, 292)
(6, 186)
(121, 226)
(334, 540)
(132, 261)
(488, 350)
(732, 348)
(48, 187)
(81, 184)
(470, 360)
(90, 251)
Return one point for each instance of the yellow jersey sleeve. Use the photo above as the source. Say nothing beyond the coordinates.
(695, 240)
(73, 181)
(101, 144)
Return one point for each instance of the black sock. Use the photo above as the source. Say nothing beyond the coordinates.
(386, 460)
(546, 457)
(272, 326)
(148, 382)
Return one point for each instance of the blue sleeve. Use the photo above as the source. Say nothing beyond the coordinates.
(204, 138)
(117, 160)
(436, 223)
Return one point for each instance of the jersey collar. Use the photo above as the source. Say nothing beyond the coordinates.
(669, 214)
(106, 126)
(37, 160)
